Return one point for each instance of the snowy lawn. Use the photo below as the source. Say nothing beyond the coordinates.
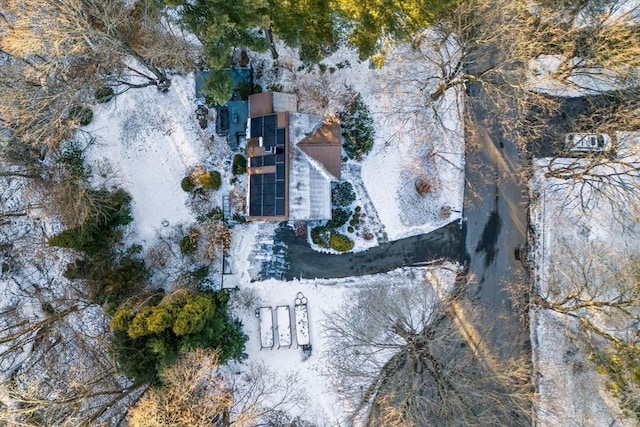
(324, 405)
(146, 142)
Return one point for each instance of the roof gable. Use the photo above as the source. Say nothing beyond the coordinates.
(324, 146)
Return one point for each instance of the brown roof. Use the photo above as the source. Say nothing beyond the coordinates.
(260, 104)
(324, 145)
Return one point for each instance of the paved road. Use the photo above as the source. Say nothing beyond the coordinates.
(495, 209)
(300, 261)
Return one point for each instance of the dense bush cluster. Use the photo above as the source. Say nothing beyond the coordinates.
(357, 128)
(110, 278)
(339, 217)
(342, 194)
(326, 237)
(110, 210)
(149, 336)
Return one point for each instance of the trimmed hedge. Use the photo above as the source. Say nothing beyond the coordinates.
(340, 242)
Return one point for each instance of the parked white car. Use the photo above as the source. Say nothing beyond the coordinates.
(588, 142)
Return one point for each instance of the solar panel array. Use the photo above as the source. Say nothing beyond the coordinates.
(267, 191)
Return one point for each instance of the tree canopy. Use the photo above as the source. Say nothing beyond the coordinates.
(150, 336)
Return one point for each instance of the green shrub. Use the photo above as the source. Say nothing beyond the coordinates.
(339, 217)
(342, 194)
(110, 278)
(355, 219)
(148, 339)
(357, 128)
(104, 94)
(350, 229)
(73, 158)
(188, 244)
(358, 209)
(187, 184)
(239, 164)
(239, 218)
(215, 214)
(321, 236)
(244, 90)
(110, 210)
(210, 180)
(83, 115)
(340, 242)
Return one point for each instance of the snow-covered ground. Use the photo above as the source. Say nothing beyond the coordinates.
(570, 391)
(146, 142)
(323, 405)
(410, 142)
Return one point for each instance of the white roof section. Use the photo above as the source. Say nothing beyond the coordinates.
(284, 102)
(309, 182)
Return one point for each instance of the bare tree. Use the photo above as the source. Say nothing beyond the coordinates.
(56, 55)
(595, 285)
(198, 391)
(402, 354)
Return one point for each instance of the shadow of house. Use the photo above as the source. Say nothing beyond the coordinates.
(231, 118)
(292, 160)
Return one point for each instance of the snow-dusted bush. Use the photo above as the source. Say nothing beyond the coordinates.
(239, 164)
(357, 128)
(104, 94)
(340, 242)
(83, 115)
(342, 194)
(321, 236)
(339, 217)
(210, 180)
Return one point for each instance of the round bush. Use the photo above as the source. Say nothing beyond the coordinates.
(340, 242)
(350, 229)
(210, 180)
(188, 245)
(339, 217)
(187, 184)
(321, 236)
(104, 94)
(82, 114)
(342, 194)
